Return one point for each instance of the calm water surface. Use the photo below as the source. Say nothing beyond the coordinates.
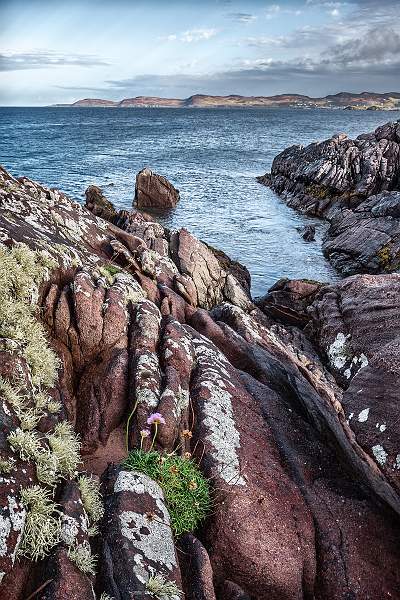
(211, 155)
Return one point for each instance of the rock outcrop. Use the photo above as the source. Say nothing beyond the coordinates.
(154, 191)
(355, 184)
(287, 406)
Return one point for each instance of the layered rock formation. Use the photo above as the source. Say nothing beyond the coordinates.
(282, 406)
(154, 191)
(355, 185)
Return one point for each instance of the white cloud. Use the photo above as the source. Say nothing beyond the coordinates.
(192, 35)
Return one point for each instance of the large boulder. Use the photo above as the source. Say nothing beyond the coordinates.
(154, 191)
(354, 184)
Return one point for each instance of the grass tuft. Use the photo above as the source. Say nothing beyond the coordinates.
(186, 490)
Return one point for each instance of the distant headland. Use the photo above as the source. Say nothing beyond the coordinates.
(343, 100)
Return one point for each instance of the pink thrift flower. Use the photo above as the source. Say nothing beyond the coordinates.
(145, 433)
(156, 418)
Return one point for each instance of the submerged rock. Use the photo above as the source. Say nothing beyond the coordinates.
(288, 405)
(355, 185)
(154, 191)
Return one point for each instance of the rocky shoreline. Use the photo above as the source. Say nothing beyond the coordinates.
(288, 408)
(355, 185)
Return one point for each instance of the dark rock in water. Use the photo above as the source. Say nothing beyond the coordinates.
(308, 233)
(289, 407)
(154, 191)
(354, 184)
(98, 204)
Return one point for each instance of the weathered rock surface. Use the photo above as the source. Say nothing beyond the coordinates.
(154, 191)
(355, 185)
(290, 404)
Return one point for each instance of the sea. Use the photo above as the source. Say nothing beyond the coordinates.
(211, 155)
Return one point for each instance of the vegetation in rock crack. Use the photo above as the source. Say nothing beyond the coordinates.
(105, 596)
(91, 498)
(109, 272)
(186, 490)
(21, 272)
(42, 528)
(55, 454)
(81, 555)
(162, 589)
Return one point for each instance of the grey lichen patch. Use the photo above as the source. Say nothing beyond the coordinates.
(12, 519)
(218, 416)
(338, 351)
(380, 454)
(151, 538)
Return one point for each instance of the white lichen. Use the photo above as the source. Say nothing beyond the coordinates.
(363, 415)
(380, 454)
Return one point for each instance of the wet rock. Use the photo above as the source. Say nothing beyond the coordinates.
(308, 233)
(154, 191)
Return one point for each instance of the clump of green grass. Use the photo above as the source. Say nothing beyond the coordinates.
(186, 490)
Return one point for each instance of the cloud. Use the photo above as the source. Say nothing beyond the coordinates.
(192, 35)
(19, 61)
(242, 17)
(370, 61)
(377, 45)
(276, 10)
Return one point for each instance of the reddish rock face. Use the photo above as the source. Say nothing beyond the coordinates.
(154, 191)
(281, 406)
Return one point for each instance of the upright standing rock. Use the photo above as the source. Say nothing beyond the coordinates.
(154, 191)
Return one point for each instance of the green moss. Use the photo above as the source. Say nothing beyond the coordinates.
(317, 191)
(186, 491)
(109, 272)
(385, 257)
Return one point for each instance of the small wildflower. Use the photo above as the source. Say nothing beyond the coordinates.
(174, 470)
(187, 455)
(192, 485)
(186, 433)
(156, 418)
(145, 433)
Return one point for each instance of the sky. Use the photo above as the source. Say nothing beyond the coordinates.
(58, 52)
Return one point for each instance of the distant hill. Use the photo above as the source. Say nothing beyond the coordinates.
(362, 101)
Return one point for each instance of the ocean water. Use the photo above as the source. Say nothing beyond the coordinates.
(211, 155)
